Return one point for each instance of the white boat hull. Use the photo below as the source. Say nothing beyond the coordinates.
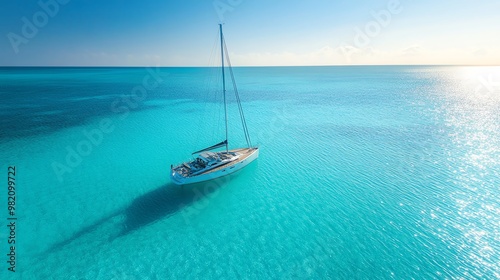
(220, 172)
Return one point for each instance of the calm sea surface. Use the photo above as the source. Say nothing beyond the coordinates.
(364, 172)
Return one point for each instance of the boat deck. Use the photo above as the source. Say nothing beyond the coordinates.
(243, 152)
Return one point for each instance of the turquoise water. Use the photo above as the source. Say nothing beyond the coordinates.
(364, 172)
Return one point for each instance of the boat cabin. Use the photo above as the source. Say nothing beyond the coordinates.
(208, 159)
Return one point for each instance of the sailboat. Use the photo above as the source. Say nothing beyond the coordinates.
(210, 164)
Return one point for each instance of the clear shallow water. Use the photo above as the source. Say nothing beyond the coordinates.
(364, 172)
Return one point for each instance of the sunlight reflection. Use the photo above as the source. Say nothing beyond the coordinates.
(470, 108)
(484, 80)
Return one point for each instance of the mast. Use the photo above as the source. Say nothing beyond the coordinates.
(223, 77)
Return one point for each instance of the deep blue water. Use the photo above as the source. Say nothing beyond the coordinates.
(364, 172)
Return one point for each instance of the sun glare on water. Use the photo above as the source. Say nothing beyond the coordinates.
(470, 102)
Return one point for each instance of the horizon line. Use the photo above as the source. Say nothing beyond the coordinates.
(240, 66)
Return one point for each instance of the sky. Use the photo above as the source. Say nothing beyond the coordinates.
(257, 32)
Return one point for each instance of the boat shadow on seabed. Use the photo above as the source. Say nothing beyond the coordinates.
(148, 208)
(170, 199)
(158, 204)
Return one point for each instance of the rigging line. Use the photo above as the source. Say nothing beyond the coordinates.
(217, 115)
(240, 108)
(215, 91)
(223, 77)
(212, 96)
(208, 83)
